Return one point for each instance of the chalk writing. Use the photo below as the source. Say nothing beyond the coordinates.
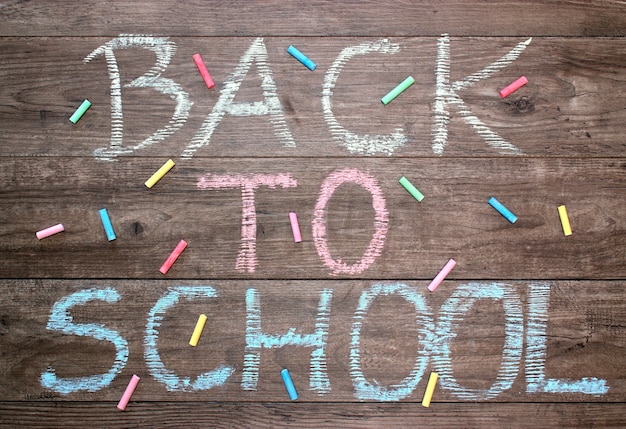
(269, 106)
(446, 94)
(164, 50)
(364, 389)
(60, 320)
(355, 143)
(246, 259)
(536, 381)
(451, 313)
(256, 339)
(174, 383)
(375, 247)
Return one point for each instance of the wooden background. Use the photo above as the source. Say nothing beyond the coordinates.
(568, 122)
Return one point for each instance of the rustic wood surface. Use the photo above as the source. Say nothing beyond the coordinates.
(567, 128)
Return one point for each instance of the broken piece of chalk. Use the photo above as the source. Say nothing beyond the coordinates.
(430, 389)
(132, 384)
(195, 337)
(295, 227)
(50, 231)
(442, 275)
(291, 389)
(509, 89)
(160, 173)
(502, 210)
(173, 257)
(397, 90)
(203, 71)
(567, 229)
(106, 223)
(306, 61)
(80, 111)
(411, 189)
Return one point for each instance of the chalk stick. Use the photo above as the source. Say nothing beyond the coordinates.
(50, 231)
(291, 389)
(173, 256)
(106, 223)
(195, 337)
(128, 392)
(442, 275)
(397, 90)
(502, 210)
(301, 57)
(80, 111)
(509, 89)
(430, 389)
(160, 173)
(203, 71)
(567, 229)
(295, 227)
(411, 189)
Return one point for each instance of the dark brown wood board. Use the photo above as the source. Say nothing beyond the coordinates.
(527, 330)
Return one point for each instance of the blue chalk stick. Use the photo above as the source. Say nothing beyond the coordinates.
(502, 210)
(301, 57)
(106, 222)
(291, 389)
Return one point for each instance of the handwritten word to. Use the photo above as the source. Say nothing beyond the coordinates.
(446, 94)
(434, 346)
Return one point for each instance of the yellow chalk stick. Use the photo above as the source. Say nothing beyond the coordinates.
(430, 389)
(195, 337)
(159, 173)
(567, 229)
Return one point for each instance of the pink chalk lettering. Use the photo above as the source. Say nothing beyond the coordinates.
(246, 259)
(375, 247)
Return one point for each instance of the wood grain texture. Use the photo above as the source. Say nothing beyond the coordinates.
(315, 18)
(568, 109)
(309, 415)
(453, 221)
(585, 332)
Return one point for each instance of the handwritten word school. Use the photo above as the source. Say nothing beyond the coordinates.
(446, 97)
(435, 337)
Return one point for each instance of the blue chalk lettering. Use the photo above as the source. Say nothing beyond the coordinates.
(536, 381)
(450, 314)
(60, 320)
(256, 340)
(173, 383)
(365, 390)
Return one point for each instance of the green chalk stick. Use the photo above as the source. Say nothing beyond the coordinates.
(411, 189)
(80, 111)
(398, 90)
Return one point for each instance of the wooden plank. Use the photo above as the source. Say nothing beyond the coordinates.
(313, 18)
(271, 415)
(583, 326)
(572, 106)
(453, 221)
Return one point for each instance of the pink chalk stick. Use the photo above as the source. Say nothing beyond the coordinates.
(513, 87)
(295, 227)
(132, 384)
(173, 257)
(203, 71)
(50, 231)
(442, 275)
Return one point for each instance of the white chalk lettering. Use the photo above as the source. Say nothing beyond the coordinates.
(446, 94)
(164, 50)
(256, 339)
(60, 320)
(355, 143)
(174, 383)
(536, 381)
(269, 106)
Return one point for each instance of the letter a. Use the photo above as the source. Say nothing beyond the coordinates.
(446, 93)
(270, 106)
